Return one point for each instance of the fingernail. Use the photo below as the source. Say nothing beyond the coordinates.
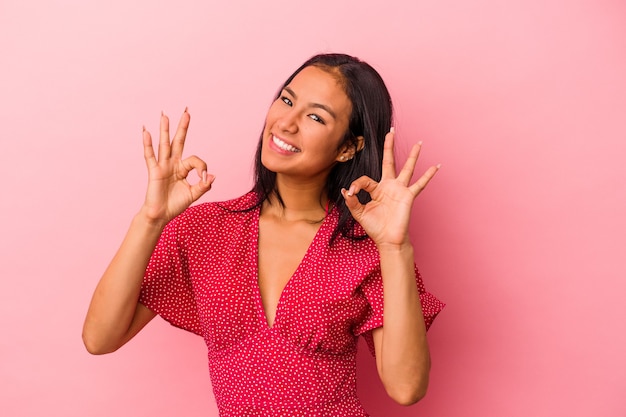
(186, 108)
(143, 128)
(392, 130)
(351, 191)
(438, 166)
(419, 143)
(204, 177)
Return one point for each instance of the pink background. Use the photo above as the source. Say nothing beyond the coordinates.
(522, 233)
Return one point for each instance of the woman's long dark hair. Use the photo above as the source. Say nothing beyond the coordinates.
(371, 118)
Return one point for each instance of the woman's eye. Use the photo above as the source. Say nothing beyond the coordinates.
(286, 101)
(317, 118)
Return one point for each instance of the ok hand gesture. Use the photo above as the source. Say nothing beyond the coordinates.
(169, 192)
(386, 217)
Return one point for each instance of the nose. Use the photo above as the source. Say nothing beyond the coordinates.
(288, 121)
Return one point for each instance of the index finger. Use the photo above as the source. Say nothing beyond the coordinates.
(178, 142)
(389, 162)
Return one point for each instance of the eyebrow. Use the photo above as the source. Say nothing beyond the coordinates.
(317, 105)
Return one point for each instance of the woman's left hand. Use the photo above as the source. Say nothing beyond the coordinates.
(386, 217)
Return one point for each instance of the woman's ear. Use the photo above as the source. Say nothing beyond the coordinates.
(349, 150)
(360, 143)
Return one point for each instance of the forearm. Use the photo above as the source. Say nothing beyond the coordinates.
(403, 358)
(114, 303)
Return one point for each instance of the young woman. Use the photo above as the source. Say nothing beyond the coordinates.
(281, 281)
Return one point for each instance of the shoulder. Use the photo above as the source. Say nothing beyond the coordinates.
(235, 206)
(356, 249)
(246, 202)
(218, 213)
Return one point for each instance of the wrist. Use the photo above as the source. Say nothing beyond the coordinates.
(395, 248)
(144, 219)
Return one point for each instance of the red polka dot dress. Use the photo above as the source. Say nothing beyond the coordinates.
(202, 277)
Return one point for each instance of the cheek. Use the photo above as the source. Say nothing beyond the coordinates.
(327, 149)
(273, 113)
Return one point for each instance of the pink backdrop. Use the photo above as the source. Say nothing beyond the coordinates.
(523, 232)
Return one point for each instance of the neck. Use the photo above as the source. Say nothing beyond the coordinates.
(302, 201)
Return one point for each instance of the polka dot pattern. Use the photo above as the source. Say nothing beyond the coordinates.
(202, 277)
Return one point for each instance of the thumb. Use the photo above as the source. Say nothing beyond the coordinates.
(202, 186)
(353, 204)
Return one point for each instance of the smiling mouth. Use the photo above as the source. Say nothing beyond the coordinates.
(284, 146)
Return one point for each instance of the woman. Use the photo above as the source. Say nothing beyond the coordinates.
(282, 281)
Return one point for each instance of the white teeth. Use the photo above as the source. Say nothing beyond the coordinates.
(284, 146)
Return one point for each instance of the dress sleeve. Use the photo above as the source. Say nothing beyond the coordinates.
(167, 288)
(373, 291)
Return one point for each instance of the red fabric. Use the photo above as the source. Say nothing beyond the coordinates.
(202, 277)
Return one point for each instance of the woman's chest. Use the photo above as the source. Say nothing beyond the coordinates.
(313, 296)
(315, 309)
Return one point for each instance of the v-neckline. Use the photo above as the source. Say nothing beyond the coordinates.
(262, 314)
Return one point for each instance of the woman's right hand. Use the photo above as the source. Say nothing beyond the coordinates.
(169, 193)
(115, 314)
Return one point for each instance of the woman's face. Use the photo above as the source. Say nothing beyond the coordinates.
(305, 125)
